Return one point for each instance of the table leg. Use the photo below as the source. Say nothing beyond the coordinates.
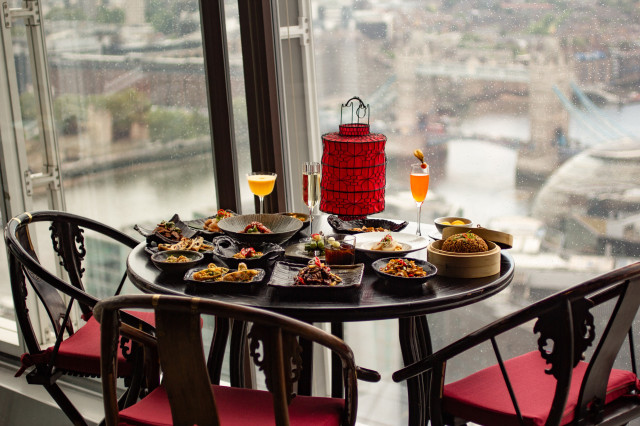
(306, 375)
(337, 388)
(237, 351)
(216, 352)
(415, 344)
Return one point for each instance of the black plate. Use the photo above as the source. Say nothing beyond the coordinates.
(223, 286)
(154, 236)
(346, 227)
(225, 247)
(284, 275)
(429, 268)
(198, 226)
(297, 252)
(152, 248)
(305, 222)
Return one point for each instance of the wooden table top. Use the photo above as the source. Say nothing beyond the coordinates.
(376, 298)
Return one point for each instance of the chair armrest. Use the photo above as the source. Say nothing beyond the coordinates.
(367, 375)
(411, 370)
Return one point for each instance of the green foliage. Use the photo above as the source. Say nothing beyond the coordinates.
(169, 125)
(106, 15)
(71, 13)
(549, 23)
(126, 107)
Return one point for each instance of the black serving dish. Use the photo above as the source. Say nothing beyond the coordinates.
(348, 226)
(198, 226)
(152, 236)
(300, 217)
(429, 268)
(284, 275)
(296, 252)
(153, 248)
(196, 286)
(176, 268)
(282, 228)
(224, 248)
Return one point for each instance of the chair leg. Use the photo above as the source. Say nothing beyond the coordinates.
(65, 404)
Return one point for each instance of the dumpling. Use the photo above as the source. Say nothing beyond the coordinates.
(387, 243)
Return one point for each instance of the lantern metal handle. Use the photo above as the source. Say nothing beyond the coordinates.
(360, 112)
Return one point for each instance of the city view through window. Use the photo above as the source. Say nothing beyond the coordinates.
(527, 113)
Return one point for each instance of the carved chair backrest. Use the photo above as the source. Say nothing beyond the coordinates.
(25, 267)
(568, 323)
(566, 330)
(272, 342)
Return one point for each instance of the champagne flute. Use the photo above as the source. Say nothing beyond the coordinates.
(419, 181)
(261, 184)
(311, 188)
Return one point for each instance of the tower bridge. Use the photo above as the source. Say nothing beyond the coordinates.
(508, 73)
(423, 87)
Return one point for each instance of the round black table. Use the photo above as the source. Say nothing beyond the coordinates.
(375, 300)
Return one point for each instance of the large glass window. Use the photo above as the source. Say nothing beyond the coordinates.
(127, 137)
(130, 109)
(524, 111)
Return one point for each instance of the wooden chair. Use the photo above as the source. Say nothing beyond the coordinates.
(76, 351)
(552, 385)
(186, 395)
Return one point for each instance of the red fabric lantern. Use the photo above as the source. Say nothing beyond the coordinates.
(353, 168)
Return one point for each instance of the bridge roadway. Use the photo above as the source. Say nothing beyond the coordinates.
(510, 73)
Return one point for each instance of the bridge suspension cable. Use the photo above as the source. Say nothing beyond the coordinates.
(598, 132)
(597, 112)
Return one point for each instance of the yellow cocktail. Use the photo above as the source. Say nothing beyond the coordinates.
(261, 184)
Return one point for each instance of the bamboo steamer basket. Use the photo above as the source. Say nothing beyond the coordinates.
(469, 265)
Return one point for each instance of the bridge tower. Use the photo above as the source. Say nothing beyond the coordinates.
(549, 120)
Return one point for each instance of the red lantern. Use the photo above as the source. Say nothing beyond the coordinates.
(353, 167)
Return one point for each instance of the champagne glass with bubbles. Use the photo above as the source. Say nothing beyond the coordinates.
(311, 188)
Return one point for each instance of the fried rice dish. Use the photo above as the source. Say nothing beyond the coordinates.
(466, 242)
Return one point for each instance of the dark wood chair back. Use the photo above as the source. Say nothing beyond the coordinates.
(272, 341)
(26, 270)
(566, 330)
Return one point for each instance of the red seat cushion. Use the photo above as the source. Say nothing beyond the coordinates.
(239, 407)
(483, 396)
(80, 352)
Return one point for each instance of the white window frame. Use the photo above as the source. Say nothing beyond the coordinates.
(16, 179)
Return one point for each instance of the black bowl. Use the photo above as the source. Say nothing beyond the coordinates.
(176, 268)
(225, 247)
(429, 268)
(282, 228)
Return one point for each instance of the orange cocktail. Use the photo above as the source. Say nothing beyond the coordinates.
(419, 186)
(261, 185)
(419, 180)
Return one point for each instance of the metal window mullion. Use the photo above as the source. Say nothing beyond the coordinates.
(13, 161)
(14, 156)
(305, 147)
(42, 91)
(309, 78)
